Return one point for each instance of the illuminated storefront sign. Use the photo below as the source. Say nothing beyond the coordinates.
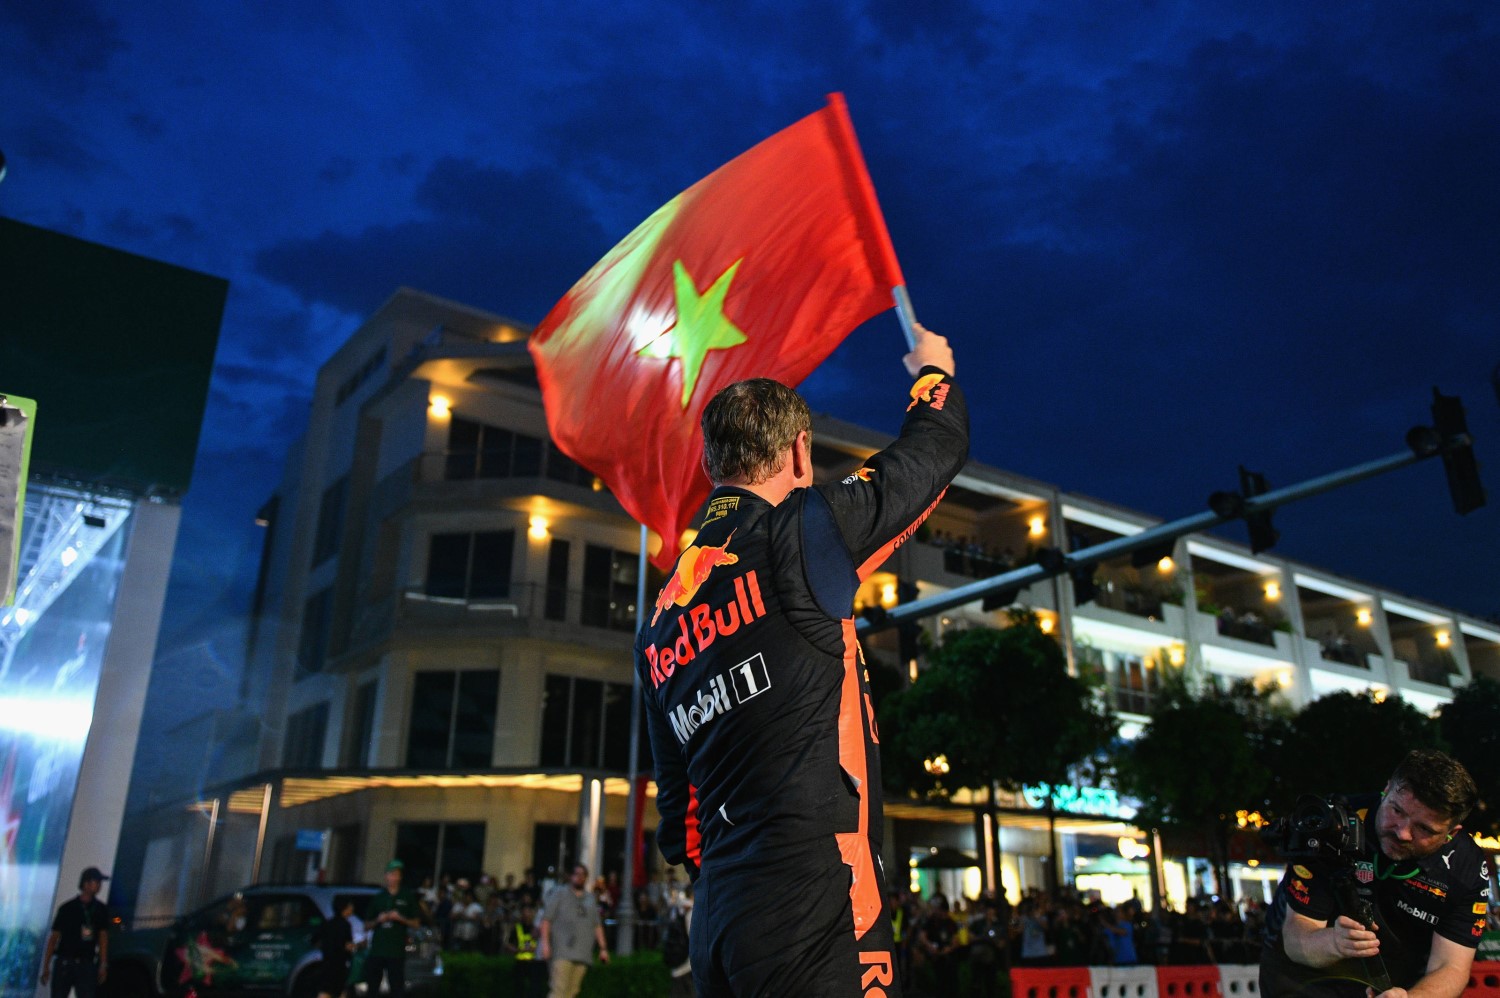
(1099, 801)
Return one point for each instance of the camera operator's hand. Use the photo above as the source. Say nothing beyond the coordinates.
(1316, 944)
(1351, 940)
(1392, 993)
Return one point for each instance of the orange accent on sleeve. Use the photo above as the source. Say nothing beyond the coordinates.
(854, 847)
(878, 558)
(690, 823)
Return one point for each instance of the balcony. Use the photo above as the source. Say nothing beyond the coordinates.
(530, 609)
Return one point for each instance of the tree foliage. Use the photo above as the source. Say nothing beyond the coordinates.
(1471, 726)
(1204, 756)
(1000, 706)
(1349, 743)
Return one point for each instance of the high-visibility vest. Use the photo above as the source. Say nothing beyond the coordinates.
(525, 944)
(898, 919)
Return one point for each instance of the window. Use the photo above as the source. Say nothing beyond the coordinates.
(586, 723)
(470, 566)
(1134, 684)
(609, 584)
(453, 720)
(317, 615)
(357, 752)
(553, 848)
(330, 521)
(556, 606)
(477, 450)
(303, 746)
(433, 848)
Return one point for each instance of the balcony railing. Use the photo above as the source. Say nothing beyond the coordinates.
(594, 608)
(1247, 626)
(1434, 669)
(1129, 701)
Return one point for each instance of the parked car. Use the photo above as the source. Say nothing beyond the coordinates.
(262, 938)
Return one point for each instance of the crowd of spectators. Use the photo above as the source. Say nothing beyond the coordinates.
(971, 556)
(482, 915)
(966, 947)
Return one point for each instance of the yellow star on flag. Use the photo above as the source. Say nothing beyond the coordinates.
(701, 326)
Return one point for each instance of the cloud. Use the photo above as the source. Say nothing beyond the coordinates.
(71, 36)
(488, 236)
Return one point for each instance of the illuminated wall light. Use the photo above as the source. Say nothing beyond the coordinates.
(1166, 565)
(1273, 591)
(1444, 639)
(1037, 525)
(1380, 695)
(888, 595)
(911, 670)
(441, 406)
(1177, 654)
(597, 484)
(538, 528)
(1362, 617)
(1047, 624)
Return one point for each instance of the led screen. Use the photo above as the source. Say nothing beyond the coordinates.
(49, 675)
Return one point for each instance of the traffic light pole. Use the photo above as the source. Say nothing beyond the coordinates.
(1060, 563)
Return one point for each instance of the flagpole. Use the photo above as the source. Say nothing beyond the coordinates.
(905, 314)
(625, 910)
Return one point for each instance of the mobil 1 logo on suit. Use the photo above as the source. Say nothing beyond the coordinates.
(719, 696)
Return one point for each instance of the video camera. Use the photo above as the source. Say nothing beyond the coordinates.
(1318, 828)
(1329, 829)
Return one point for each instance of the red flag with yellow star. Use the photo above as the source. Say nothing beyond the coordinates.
(758, 270)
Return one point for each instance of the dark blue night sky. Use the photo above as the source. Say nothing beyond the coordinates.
(1165, 238)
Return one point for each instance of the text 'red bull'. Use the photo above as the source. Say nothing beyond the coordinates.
(702, 625)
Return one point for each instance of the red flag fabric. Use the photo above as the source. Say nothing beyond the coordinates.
(758, 270)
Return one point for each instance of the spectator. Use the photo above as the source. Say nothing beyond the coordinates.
(939, 942)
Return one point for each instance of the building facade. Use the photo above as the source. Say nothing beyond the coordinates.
(441, 649)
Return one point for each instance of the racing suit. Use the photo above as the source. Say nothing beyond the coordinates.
(1444, 893)
(761, 724)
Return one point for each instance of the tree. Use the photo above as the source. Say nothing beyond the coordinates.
(1349, 743)
(1203, 758)
(999, 707)
(1471, 726)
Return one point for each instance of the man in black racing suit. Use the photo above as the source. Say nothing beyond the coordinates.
(1427, 882)
(757, 701)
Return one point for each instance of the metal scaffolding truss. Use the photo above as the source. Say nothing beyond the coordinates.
(63, 528)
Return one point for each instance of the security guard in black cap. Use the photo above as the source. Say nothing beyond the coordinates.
(80, 941)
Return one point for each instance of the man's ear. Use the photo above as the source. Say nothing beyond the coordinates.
(802, 457)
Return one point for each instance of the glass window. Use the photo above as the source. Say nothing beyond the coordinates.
(312, 645)
(453, 720)
(474, 720)
(556, 705)
(586, 723)
(357, 750)
(495, 448)
(302, 747)
(330, 521)
(448, 565)
(431, 849)
(470, 566)
(526, 460)
(463, 448)
(489, 576)
(557, 580)
(431, 719)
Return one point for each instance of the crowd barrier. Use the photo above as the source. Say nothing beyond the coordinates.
(1225, 980)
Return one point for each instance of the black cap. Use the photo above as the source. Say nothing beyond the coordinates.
(92, 873)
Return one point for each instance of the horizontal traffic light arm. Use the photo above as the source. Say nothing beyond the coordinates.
(1029, 574)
